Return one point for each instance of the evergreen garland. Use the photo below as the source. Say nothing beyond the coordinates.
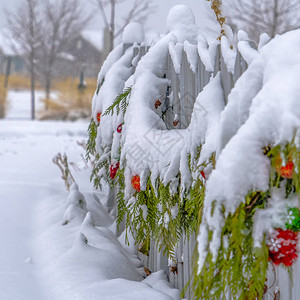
(121, 103)
(102, 163)
(156, 214)
(239, 268)
(91, 143)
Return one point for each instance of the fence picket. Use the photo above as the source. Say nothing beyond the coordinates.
(226, 79)
(183, 117)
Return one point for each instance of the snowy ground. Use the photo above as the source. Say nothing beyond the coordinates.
(28, 177)
(19, 104)
(39, 257)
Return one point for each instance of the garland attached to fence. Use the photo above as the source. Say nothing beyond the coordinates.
(157, 212)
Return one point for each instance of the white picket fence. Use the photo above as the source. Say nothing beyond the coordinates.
(185, 87)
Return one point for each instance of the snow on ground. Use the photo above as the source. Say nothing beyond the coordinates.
(39, 257)
(19, 104)
(28, 177)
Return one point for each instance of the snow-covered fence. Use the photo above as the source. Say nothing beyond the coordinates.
(190, 81)
(185, 83)
(181, 152)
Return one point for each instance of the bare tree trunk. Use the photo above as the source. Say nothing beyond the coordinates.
(32, 87)
(32, 56)
(112, 24)
(63, 21)
(275, 19)
(7, 72)
(47, 90)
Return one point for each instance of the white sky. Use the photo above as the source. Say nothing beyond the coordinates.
(155, 22)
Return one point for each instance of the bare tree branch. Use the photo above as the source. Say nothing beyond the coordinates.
(268, 16)
(138, 12)
(42, 29)
(62, 22)
(101, 7)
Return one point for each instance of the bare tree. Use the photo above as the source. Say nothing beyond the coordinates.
(62, 22)
(25, 27)
(138, 12)
(263, 16)
(42, 29)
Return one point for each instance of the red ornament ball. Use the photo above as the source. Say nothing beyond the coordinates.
(283, 247)
(119, 128)
(114, 169)
(136, 183)
(98, 117)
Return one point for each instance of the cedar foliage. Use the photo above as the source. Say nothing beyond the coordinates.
(239, 268)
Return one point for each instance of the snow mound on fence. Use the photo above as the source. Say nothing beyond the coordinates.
(147, 145)
(133, 33)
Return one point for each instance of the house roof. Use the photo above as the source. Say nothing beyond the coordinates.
(94, 37)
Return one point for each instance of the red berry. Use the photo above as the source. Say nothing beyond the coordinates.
(114, 170)
(136, 183)
(287, 170)
(157, 104)
(175, 123)
(119, 128)
(203, 174)
(98, 117)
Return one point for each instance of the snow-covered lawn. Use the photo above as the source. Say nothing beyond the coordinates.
(27, 178)
(40, 258)
(19, 104)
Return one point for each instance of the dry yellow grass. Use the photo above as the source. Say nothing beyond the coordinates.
(67, 97)
(19, 82)
(69, 103)
(68, 93)
(3, 94)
